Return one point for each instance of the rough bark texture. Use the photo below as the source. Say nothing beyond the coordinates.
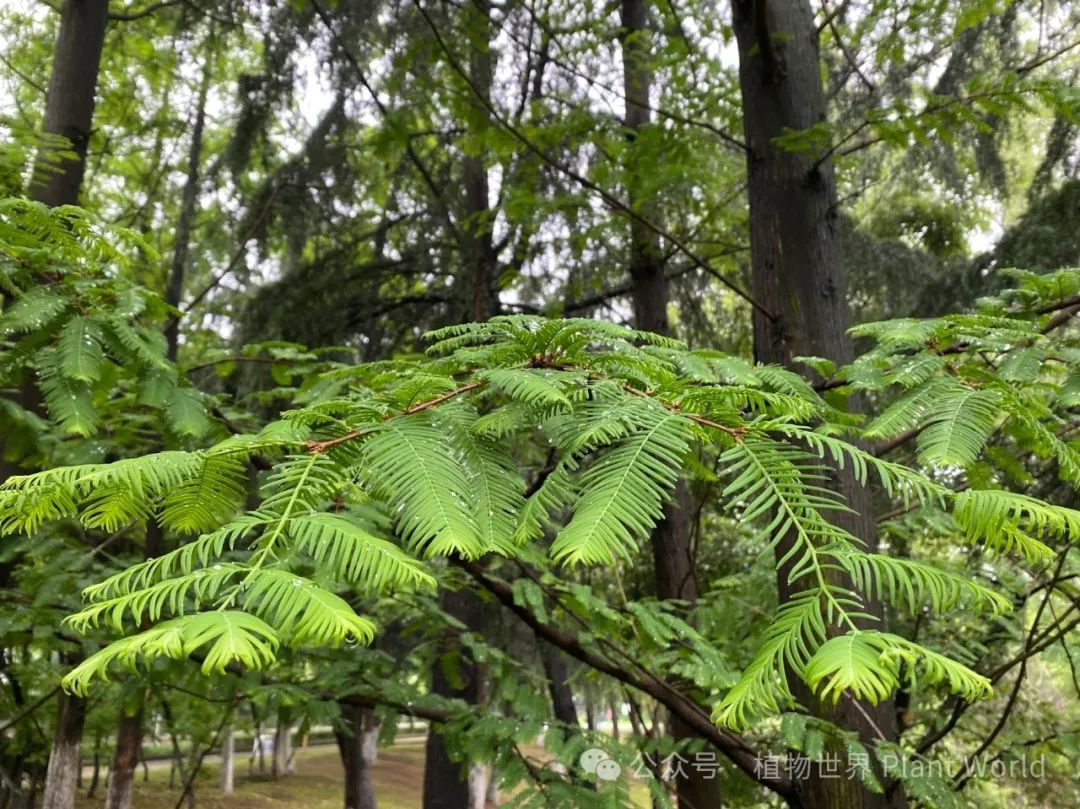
(356, 757)
(446, 783)
(797, 278)
(125, 757)
(61, 777)
(69, 105)
(673, 557)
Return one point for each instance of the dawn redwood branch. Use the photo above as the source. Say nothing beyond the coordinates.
(839, 150)
(885, 447)
(317, 447)
(226, 716)
(848, 55)
(211, 363)
(1014, 695)
(241, 251)
(730, 744)
(1064, 311)
(830, 16)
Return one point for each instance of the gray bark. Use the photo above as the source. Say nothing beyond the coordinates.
(62, 775)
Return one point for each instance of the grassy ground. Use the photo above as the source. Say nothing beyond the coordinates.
(316, 784)
(399, 775)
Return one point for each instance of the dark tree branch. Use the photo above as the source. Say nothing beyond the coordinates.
(732, 745)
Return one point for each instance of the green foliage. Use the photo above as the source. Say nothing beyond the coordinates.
(382, 465)
(78, 326)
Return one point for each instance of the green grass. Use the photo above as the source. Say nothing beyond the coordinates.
(316, 784)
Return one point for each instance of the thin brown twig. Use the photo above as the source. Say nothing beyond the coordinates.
(319, 447)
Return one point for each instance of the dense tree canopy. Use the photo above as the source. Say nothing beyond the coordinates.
(616, 388)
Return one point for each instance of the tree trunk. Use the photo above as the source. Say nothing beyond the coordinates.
(479, 248)
(478, 785)
(69, 112)
(673, 556)
(125, 757)
(369, 740)
(562, 697)
(359, 786)
(797, 279)
(228, 760)
(446, 783)
(182, 239)
(69, 105)
(95, 772)
(282, 744)
(61, 776)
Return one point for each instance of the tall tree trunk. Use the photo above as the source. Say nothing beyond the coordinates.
(69, 113)
(61, 776)
(562, 698)
(356, 756)
(95, 772)
(125, 757)
(479, 248)
(797, 279)
(446, 785)
(228, 760)
(282, 743)
(69, 105)
(673, 557)
(188, 204)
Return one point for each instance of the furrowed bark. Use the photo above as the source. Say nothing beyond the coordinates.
(61, 777)
(797, 278)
